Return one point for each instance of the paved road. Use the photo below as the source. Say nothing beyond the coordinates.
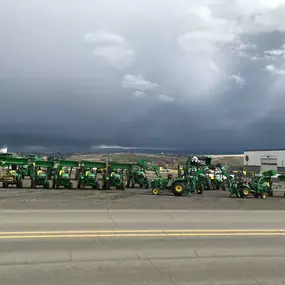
(142, 247)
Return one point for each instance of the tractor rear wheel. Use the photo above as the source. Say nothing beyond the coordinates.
(155, 191)
(178, 188)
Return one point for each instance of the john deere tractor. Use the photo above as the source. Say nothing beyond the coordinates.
(240, 188)
(61, 173)
(193, 179)
(137, 176)
(40, 173)
(116, 175)
(13, 176)
(87, 174)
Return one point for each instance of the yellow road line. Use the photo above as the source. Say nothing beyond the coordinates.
(143, 231)
(166, 234)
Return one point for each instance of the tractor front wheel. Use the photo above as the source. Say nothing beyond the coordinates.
(263, 195)
(245, 192)
(155, 191)
(178, 188)
(200, 189)
(33, 184)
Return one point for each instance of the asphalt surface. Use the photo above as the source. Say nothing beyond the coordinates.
(28, 198)
(141, 247)
(132, 237)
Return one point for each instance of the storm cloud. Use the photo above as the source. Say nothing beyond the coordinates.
(204, 76)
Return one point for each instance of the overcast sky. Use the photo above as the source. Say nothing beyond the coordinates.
(206, 76)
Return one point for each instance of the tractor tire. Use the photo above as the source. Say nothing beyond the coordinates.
(200, 189)
(141, 185)
(178, 188)
(223, 187)
(33, 184)
(19, 184)
(155, 191)
(107, 185)
(78, 185)
(46, 186)
(263, 195)
(5, 185)
(245, 192)
(270, 193)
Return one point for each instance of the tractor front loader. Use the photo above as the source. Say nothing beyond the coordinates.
(14, 175)
(116, 175)
(87, 174)
(61, 173)
(40, 173)
(193, 178)
(238, 187)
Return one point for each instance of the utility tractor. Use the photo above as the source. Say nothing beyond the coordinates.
(116, 175)
(87, 174)
(61, 173)
(14, 174)
(12, 177)
(259, 187)
(40, 173)
(193, 179)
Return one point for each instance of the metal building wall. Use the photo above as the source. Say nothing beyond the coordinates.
(252, 159)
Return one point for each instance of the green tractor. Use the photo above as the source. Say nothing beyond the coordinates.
(87, 175)
(261, 184)
(62, 172)
(14, 170)
(193, 178)
(241, 188)
(12, 177)
(137, 175)
(40, 173)
(116, 175)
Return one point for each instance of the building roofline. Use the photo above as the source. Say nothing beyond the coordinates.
(282, 149)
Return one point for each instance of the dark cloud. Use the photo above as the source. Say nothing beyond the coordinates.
(63, 65)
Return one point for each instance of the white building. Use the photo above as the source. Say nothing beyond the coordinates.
(262, 160)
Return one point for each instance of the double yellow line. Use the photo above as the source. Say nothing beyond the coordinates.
(138, 233)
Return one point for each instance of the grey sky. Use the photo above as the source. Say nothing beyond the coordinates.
(205, 75)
